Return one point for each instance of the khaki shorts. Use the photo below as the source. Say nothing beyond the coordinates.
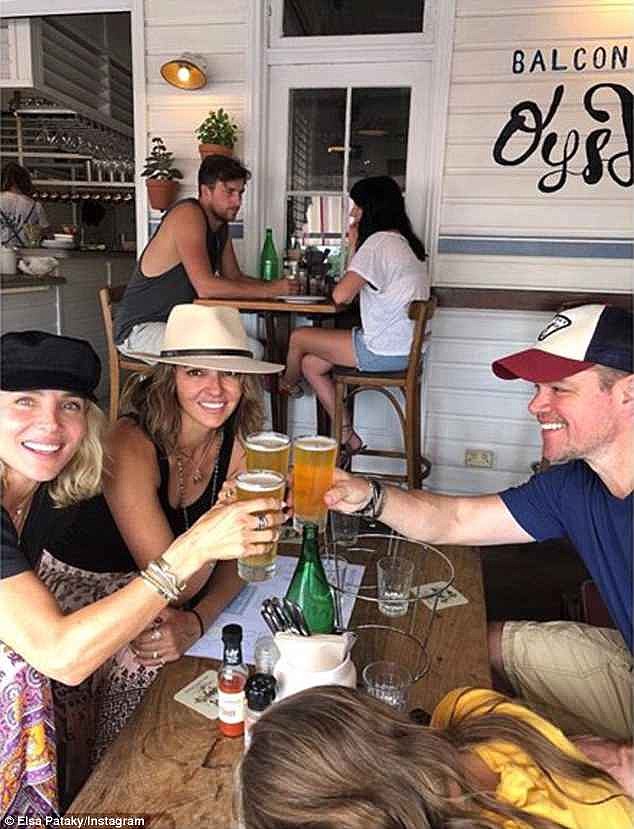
(578, 676)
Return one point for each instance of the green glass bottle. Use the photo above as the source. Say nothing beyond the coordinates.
(269, 262)
(309, 586)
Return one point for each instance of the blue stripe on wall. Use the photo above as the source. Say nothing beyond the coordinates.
(517, 246)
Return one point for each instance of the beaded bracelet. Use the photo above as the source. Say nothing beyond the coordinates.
(200, 620)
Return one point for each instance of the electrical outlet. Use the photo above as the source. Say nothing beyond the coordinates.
(481, 458)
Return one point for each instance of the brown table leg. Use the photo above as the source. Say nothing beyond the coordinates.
(277, 336)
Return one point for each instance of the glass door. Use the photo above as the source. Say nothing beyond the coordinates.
(332, 125)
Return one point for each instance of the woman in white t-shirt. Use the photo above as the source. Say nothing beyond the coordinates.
(387, 271)
(17, 208)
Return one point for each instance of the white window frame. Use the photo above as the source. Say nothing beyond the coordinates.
(353, 45)
(285, 78)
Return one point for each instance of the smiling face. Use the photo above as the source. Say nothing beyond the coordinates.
(222, 201)
(40, 431)
(578, 418)
(206, 398)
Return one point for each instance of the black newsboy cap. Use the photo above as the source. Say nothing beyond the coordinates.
(38, 360)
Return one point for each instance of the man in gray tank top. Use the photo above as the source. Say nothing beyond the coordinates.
(190, 256)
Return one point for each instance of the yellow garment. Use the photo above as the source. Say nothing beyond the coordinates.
(522, 784)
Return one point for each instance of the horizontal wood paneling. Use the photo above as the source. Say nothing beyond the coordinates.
(483, 198)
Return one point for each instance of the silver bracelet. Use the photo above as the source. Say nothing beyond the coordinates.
(160, 588)
(160, 569)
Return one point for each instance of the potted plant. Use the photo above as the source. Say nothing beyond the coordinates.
(161, 175)
(217, 134)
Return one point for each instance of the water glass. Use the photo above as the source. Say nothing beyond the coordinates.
(345, 528)
(395, 575)
(388, 682)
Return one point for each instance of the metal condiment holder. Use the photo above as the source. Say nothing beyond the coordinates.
(365, 592)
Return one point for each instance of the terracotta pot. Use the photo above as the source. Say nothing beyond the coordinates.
(214, 149)
(161, 192)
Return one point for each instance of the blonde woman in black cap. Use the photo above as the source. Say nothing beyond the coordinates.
(49, 444)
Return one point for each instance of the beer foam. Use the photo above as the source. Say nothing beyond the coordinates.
(267, 442)
(260, 481)
(315, 443)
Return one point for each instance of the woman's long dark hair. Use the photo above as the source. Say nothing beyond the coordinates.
(331, 758)
(14, 175)
(383, 208)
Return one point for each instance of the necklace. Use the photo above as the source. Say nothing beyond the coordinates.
(198, 473)
(18, 513)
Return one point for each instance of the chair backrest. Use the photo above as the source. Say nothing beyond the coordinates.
(108, 297)
(421, 312)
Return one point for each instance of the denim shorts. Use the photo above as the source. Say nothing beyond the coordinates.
(369, 361)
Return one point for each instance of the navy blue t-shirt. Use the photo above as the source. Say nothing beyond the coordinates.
(571, 500)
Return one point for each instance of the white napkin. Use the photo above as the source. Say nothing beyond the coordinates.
(321, 652)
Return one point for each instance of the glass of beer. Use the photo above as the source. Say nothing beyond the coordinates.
(313, 470)
(268, 450)
(259, 483)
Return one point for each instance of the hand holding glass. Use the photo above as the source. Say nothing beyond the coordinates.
(259, 483)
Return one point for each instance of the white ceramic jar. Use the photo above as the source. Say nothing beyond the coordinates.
(7, 260)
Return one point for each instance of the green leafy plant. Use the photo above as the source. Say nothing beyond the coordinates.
(217, 128)
(160, 163)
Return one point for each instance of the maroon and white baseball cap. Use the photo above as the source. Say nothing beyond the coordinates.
(574, 340)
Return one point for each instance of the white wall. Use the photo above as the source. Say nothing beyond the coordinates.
(485, 204)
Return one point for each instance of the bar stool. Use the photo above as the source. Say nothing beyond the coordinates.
(349, 383)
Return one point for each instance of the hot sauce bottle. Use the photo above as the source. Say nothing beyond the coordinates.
(232, 678)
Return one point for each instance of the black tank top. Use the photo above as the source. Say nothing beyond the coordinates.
(93, 542)
(150, 299)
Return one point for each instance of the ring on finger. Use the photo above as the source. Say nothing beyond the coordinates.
(154, 654)
(156, 634)
(261, 522)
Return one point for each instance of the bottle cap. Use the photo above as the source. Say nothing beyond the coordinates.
(260, 691)
(232, 634)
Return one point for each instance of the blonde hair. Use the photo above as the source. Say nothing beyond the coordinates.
(80, 479)
(335, 759)
(152, 399)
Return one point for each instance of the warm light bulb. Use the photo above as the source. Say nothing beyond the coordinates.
(183, 74)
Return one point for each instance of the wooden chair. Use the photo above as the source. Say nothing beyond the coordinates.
(350, 382)
(117, 362)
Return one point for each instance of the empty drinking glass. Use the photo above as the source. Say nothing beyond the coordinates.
(395, 575)
(389, 682)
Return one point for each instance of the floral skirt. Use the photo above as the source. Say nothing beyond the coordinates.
(89, 716)
(28, 769)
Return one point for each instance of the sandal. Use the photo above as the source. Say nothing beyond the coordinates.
(347, 453)
(294, 391)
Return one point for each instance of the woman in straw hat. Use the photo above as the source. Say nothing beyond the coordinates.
(170, 453)
(51, 456)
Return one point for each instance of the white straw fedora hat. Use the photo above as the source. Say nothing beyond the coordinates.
(213, 337)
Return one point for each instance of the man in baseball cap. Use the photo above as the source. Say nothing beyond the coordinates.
(581, 365)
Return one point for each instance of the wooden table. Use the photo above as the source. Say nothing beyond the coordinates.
(171, 765)
(277, 315)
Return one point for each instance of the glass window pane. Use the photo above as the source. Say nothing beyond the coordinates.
(316, 138)
(316, 222)
(305, 18)
(378, 134)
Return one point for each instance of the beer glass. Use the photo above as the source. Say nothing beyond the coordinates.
(259, 483)
(313, 468)
(268, 450)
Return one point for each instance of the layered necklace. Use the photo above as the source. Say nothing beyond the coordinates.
(197, 473)
(19, 512)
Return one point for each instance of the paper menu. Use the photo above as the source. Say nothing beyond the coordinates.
(244, 610)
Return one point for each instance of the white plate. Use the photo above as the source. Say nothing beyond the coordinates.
(302, 300)
(62, 244)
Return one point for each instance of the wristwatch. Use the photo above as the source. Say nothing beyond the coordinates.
(374, 506)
